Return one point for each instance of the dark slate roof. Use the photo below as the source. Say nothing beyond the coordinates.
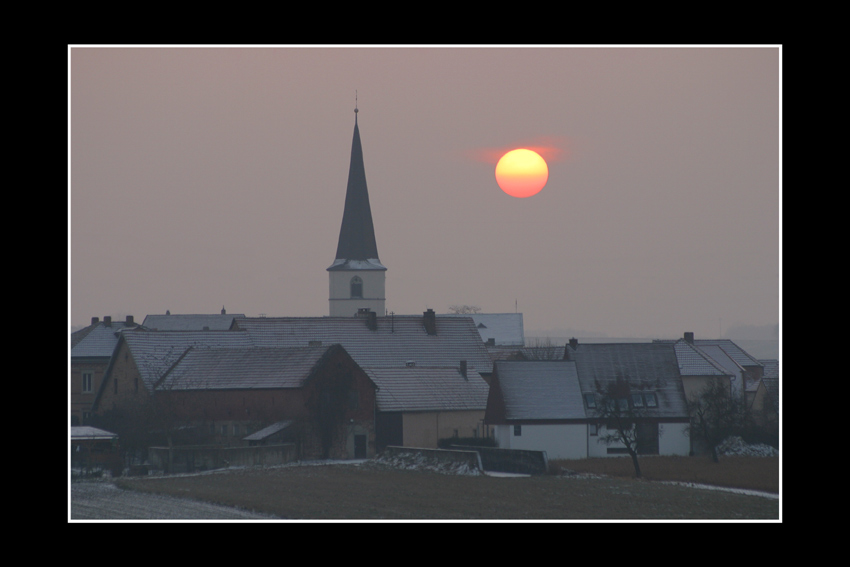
(97, 340)
(357, 233)
(189, 322)
(647, 366)
(428, 389)
(242, 368)
(397, 339)
(534, 390)
(154, 352)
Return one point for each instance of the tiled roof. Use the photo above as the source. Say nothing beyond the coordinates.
(96, 340)
(189, 322)
(155, 352)
(428, 389)
(396, 340)
(736, 353)
(540, 390)
(650, 366)
(242, 368)
(694, 362)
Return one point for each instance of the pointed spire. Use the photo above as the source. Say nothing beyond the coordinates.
(357, 234)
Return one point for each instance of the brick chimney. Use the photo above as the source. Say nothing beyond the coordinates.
(463, 368)
(129, 320)
(430, 321)
(95, 320)
(107, 321)
(372, 321)
(689, 338)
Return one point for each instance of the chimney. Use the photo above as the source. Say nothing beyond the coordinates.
(689, 338)
(574, 343)
(491, 342)
(463, 368)
(107, 321)
(430, 321)
(129, 320)
(372, 321)
(95, 320)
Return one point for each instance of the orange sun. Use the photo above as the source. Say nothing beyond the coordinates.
(522, 173)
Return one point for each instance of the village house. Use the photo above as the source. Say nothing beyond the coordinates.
(91, 351)
(216, 387)
(551, 405)
(430, 370)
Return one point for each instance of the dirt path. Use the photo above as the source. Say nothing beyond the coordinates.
(105, 501)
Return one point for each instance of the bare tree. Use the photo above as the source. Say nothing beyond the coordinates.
(464, 309)
(624, 413)
(542, 349)
(715, 414)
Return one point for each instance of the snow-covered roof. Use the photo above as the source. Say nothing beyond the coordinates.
(268, 431)
(97, 340)
(693, 361)
(534, 390)
(154, 352)
(88, 432)
(396, 340)
(344, 264)
(189, 322)
(243, 368)
(428, 389)
(505, 328)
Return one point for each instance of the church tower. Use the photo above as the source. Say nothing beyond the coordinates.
(357, 277)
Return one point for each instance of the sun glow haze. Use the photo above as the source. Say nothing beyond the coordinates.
(522, 173)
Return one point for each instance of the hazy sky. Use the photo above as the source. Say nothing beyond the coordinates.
(209, 177)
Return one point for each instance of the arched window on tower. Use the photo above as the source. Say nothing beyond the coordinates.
(356, 287)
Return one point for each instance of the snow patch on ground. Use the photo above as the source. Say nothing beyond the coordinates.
(420, 462)
(737, 446)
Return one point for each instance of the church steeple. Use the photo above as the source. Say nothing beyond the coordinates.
(357, 276)
(357, 233)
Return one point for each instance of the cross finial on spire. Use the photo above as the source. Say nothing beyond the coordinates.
(355, 105)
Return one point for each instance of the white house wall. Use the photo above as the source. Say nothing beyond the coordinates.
(573, 441)
(673, 439)
(560, 441)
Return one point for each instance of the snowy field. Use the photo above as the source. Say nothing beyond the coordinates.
(104, 501)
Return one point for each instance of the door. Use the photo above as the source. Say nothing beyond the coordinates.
(359, 446)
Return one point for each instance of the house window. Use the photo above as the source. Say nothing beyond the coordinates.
(353, 399)
(356, 287)
(590, 401)
(224, 430)
(637, 400)
(517, 430)
(593, 429)
(115, 386)
(650, 399)
(87, 382)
